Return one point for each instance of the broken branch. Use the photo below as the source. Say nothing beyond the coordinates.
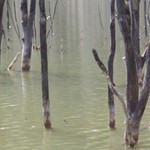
(111, 85)
(13, 61)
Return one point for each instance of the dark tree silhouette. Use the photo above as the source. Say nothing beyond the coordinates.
(1, 26)
(110, 64)
(135, 104)
(44, 64)
(134, 15)
(135, 101)
(27, 25)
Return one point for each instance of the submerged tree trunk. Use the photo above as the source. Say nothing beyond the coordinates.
(1, 26)
(132, 81)
(135, 105)
(44, 65)
(133, 122)
(110, 65)
(27, 25)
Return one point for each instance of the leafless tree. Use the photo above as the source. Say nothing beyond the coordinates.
(27, 25)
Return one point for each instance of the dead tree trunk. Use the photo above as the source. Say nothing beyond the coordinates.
(145, 18)
(8, 24)
(110, 65)
(1, 26)
(44, 65)
(133, 122)
(27, 25)
(134, 13)
(132, 81)
(135, 106)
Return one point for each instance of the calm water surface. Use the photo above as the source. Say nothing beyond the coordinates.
(78, 89)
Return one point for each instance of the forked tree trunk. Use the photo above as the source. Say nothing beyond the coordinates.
(133, 122)
(132, 80)
(27, 25)
(135, 106)
(44, 65)
(1, 26)
(110, 65)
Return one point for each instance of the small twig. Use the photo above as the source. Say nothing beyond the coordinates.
(143, 56)
(51, 27)
(111, 85)
(13, 61)
(35, 36)
(100, 17)
(51, 19)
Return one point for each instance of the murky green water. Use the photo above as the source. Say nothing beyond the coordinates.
(78, 89)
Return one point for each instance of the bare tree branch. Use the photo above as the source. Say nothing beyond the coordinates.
(13, 61)
(111, 85)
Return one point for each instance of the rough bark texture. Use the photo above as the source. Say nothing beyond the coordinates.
(44, 65)
(136, 104)
(1, 16)
(27, 25)
(133, 122)
(132, 80)
(110, 65)
(134, 10)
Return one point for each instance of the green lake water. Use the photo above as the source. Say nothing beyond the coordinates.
(78, 88)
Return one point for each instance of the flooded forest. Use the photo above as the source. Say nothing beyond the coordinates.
(74, 74)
